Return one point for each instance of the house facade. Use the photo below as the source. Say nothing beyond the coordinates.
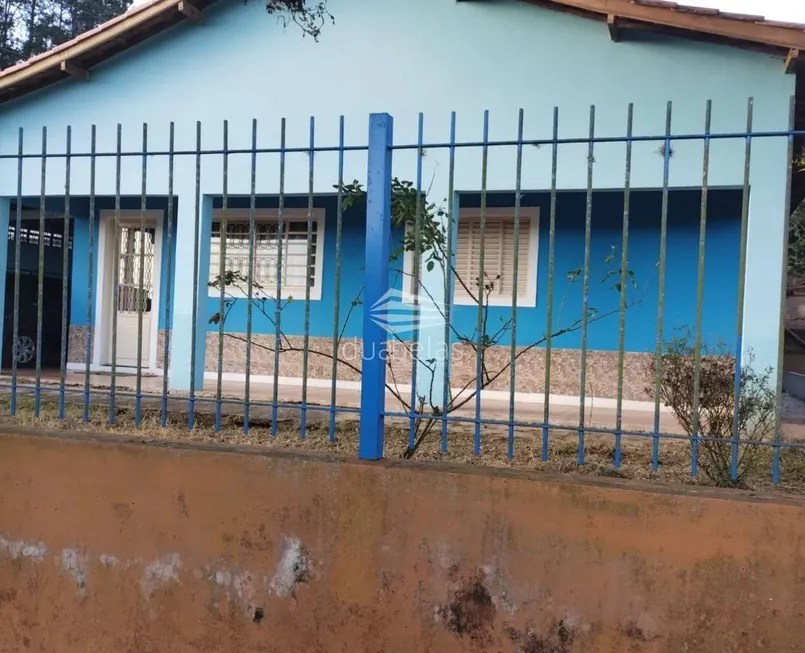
(237, 86)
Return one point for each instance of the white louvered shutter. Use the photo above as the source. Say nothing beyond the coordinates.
(498, 256)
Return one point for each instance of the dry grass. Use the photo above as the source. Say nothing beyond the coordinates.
(599, 451)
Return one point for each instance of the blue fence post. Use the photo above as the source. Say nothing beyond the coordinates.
(5, 214)
(376, 285)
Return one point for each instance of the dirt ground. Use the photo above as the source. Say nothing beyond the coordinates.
(636, 457)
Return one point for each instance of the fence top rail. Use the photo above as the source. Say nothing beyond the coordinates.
(656, 138)
(186, 152)
(586, 140)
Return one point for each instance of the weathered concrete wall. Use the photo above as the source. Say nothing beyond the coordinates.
(122, 547)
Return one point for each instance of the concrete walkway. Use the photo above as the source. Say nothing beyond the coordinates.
(492, 409)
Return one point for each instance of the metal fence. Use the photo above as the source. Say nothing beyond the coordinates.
(489, 286)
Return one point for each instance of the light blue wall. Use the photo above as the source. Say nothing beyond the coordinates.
(721, 268)
(719, 315)
(433, 56)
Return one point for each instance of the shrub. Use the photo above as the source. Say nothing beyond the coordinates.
(716, 406)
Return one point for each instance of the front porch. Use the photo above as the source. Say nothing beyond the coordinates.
(564, 410)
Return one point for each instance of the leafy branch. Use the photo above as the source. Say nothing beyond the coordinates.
(309, 17)
(425, 226)
(796, 247)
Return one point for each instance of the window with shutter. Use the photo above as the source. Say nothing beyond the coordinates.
(300, 260)
(498, 256)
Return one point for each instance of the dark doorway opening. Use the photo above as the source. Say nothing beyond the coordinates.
(25, 346)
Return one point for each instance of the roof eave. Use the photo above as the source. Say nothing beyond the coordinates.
(96, 46)
(76, 58)
(736, 27)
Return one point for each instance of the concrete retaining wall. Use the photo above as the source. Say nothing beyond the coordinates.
(115, 547)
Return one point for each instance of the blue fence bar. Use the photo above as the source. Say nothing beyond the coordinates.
(17, 249)
(546, 414)
(198, 208)
(247, 395)
(339, 228)
(376, 284)
(624, 280)
(448, 282)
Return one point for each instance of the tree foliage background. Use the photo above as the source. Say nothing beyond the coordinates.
(30, 27)
(796, 242)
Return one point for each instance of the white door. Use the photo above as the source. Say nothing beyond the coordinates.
(136, 255)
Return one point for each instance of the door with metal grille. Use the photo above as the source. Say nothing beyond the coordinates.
(135, 298)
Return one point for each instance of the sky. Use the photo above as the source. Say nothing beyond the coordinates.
(790, 10)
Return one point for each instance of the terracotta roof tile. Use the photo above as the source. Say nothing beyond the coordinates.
(712, 11)
(749, 18)
(784, 24)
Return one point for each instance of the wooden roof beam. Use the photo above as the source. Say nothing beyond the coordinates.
(192, 13)
(612, 25)
(84, 44)
(75, 71)
(792, 61)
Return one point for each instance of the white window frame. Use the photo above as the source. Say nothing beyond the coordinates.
(525, 299)
(272, 215)
(408, 281)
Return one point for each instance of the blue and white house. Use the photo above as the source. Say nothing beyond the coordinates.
(226, 75)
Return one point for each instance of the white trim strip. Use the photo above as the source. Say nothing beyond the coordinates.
(95, 368)
(489, 395)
